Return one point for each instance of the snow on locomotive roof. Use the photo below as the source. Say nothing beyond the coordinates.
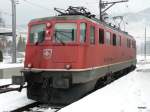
(75, 17)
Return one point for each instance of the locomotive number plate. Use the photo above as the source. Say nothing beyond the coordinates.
(47, 53)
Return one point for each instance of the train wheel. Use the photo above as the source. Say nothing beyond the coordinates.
(109, 78)
(100, 83)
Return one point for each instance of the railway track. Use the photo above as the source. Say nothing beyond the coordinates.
(8, 88)
(35, 107)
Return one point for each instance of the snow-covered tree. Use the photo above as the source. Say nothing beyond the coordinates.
(21, 45)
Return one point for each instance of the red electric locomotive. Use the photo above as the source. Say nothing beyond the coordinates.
(67, 56)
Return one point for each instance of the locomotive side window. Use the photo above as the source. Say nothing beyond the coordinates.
(101, 36)
(125, 42)
(128, 43)
(65, 32)
(82, 32)
(92, 35)
(114, 39)
(108, 38)
(133, 44)
(37, 33)
(118, 40)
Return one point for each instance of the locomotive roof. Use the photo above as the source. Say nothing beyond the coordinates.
(75, 17)
(67, 17)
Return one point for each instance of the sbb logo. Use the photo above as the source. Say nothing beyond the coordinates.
(47, 53)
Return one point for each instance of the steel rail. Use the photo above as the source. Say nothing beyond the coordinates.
(7, 88)
(29, 107)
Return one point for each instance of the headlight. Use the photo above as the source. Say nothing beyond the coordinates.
(29, 65)
(48, 32)
(68, 66)
(48, 25)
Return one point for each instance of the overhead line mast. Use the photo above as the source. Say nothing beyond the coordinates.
(105, 5)
(14, 31)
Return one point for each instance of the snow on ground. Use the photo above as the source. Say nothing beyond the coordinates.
(141, 58)
(13, 100)
(7, 58)
(5, 81)
(130, 93)
(7, 62)
(5, 66)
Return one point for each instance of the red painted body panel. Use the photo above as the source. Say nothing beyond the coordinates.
(75, 54)
(67, 54)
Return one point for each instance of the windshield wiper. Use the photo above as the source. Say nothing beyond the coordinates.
(58, 37)
(36, 43)
(61, 41)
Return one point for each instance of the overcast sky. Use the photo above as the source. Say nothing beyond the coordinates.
(29, 9)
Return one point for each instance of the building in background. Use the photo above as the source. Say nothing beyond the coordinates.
(3, 40)
(141, 46)
(2, 22)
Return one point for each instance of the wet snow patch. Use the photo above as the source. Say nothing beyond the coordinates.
(143, 70)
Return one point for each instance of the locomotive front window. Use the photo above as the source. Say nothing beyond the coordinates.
(37, 33)
(65, 32)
